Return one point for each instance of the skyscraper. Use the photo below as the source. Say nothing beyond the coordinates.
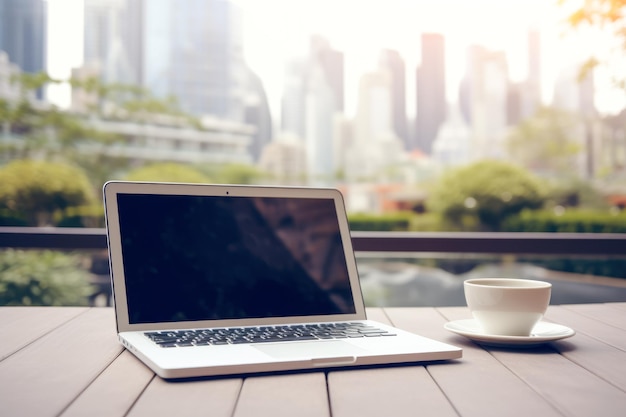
(23, 33)
(257, 113)
(525, 96)
(331, 63)
(484, 100)
(312, 95)
(532, 96)
(193, 50)
(431, 91)
(103, 49)
(375, 147)
(292, 103)
(392, 62)
(318, 135)
(186, 49)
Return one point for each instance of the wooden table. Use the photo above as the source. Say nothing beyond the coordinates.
(67, 361)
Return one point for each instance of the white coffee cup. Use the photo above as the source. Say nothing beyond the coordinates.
(507, 306)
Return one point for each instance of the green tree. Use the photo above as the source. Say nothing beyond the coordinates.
(37, 190)
(545, 142)
(238, 174)
(32, 128)
(481, 195)
(39, 278)
(608, 16)
(575, 192)
(167, 172)
(130, 102)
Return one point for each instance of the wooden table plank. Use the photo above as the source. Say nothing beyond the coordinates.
(25, 324)
(618, 305)
(302, 395)
(590, 326)
(115, 390)
(44, 377)
(67, 361)
(605, 313)
(477, 384)
(394, 391)
(570, 388)
(378, 314)
(215, 398)
(597, 347)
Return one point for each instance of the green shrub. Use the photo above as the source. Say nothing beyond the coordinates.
(399, 221)
(37, 190)
(481, 195)
(428, 222)
(10, 218)
(167, 172)
(42, 278)
(86, 216)
(570, 221)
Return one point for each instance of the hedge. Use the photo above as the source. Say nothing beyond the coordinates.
(573, 221)
(392, 222)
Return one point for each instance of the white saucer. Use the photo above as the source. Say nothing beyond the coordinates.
(542, 333)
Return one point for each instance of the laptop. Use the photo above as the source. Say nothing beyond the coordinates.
(231, 279)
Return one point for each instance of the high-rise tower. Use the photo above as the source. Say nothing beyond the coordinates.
(431, 91)
(104, 40)
(23, 33)
(331, 63)
(392, 62)
(312, 97)
(484, 101)
(186, 49)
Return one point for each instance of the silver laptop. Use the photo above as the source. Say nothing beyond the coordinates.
(222, 279)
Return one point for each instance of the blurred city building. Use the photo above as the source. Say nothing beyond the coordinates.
(284, 160)
(375, 146)
(313, 93)
(192, 51)
(392, 61)
(9, 90)
(452, 145)
(431, 92)
(23, 34)
(165, 139)
(484, 98)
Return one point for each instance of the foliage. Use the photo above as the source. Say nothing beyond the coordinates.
(82, 216)
(481, 195)
(399, 221)
(40, 278)
(238, 174)
(40, 129)
(545, 142)
(37, 190)
(167, 172)
(34, 129)
(598, 12)
(575, 192)
(570, 221)
(608, 16)
(130, 102)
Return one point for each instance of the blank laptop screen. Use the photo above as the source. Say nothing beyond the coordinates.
(190, 258)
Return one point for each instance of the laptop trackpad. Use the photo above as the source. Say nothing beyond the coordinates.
(311, 350)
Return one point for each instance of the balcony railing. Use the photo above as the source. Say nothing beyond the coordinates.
(455, 252)
(571, 244)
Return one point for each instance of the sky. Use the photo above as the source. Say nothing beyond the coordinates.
(278, 30)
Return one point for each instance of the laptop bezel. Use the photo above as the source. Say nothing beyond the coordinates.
(112, 189)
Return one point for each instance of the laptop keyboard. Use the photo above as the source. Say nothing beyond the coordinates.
(264, 334)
